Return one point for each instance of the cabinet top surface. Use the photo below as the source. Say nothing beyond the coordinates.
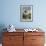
(22, 30)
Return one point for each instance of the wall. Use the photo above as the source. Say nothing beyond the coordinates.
(10, 13)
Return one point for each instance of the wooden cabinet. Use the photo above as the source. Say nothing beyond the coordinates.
(34, 39)
(23, 39)
(13, 39)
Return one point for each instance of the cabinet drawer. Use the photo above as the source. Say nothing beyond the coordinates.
(37, 45)
(11, 39)
(7, 44)
(13, 33)
(34, 34)
(37, 39)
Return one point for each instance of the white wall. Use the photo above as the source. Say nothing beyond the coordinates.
(10, 13)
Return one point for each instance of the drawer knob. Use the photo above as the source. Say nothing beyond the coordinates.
(33, 39)
(11, 38)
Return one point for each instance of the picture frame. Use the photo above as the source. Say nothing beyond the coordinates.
(26, 13)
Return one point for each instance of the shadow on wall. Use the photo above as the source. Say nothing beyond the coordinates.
(2, 26)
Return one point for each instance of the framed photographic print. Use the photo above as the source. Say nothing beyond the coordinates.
(26, 13)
